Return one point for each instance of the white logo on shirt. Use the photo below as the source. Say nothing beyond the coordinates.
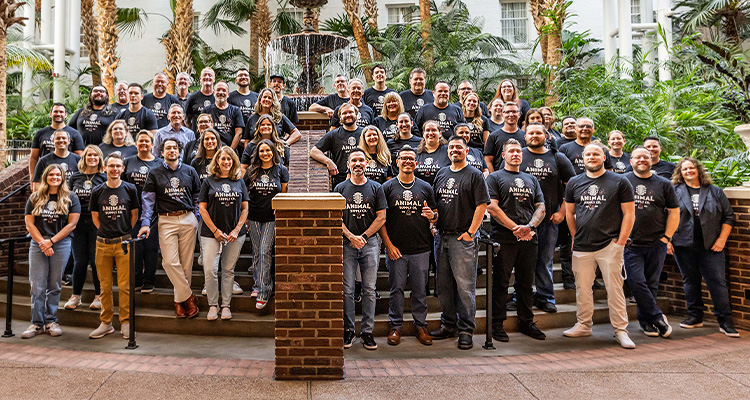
(519, 182)
(381, 99)
(471, 126)
(116, 152)
(143, 169)
(593, 190)
(87, 185)
(113, 200)
(471, 158)
(64, 167)
(247, 103)
(131, 121)
(223, 119)
(538, 163)
(358, 197)
(620, 165)
(428, 161)
(226, 188)
(640, 190)
(52, 205)
(441, 117)
(451, 183)
(695, 198)
(157, 106)
(372, 164)
(351, 141)
(408, 195)
(264, 178)
(92, 117)
(420, 102)
(206, 103)
(175, 182)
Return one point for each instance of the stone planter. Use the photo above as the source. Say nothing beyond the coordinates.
(744, 132)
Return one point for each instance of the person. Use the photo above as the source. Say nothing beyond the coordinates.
(408, 240)
(493, 147)
(496, 115)
(564, 239)
(338, 142)
(228, 119)
(204, 122)
(600, 213)
(387, 121)
(553, 134)
(82, 182)
(268, 104)
(328, 104)
(574, 150)
(620, 159)
(265, 178)
(92, 120)
(51, 215)
(176, 129)
(568, 131)
(657, 216)
(466, 88)
(517, 209)
(198, 101)
(507, 91)
(136, 116)
(478, 124)
(171, 190)
(446, 114)
(663, 168)
(475, 158)
(136, 170)
(535, 116)
(159, 101)
(223, 204)
(706, 220)
(375, 97)
(265, 129)
(182, 88)
(118, 140)
(416, 96)
(365, 115)
(66, 160)
(378, 157)
(363, 216)
(208, 144)
(114, 210)
(43, 141)
(243, 97)
(121, 96)
(288, 106)
(432, 153)
(404, 135)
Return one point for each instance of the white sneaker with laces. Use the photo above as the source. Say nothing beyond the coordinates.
(213, 313)
(200, 259)
(577, 330)
(32, 331)
(102, 331)
(624, 340)
(226, 314)
(53, 329)
(203, 292)
(236, 289)
(73, 302)
(96, 304)
(125, 330)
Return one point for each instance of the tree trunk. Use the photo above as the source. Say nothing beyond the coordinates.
(182, 33)
(107, 30)
(550, 39)
(352, 10)
(88, 22)
(7, 19)
(424, 16)
(729, 25)
(263, 16)
(371, 12)
(253, 68)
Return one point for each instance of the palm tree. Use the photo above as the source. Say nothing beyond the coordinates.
(89, 23)
(107, 32)
(728, 16)
(263, 29)
(371, 13)
(425, 17)
(352, 10)
(549, 20)
(7, 19)
(178, 41)
(228, 15)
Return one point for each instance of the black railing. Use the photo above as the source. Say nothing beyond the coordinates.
(17, 149)
(9, 290)
(22, 188)
(128, 246)
(490, 248)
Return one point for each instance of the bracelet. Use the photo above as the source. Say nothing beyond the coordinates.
(50, 240)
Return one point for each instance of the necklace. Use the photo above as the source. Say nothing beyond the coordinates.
(404, 186)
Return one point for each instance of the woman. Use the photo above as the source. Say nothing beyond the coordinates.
(207, 145)
(549, 123)
(51, 215)
(265, 178)
(223, 204)
(118, 140)
(203, 122)
(90, 174)
(495, 121)
(147, 250)
(378, 157)
(387, 122)
(507, 91)
(620, 159)
(475, 158)
(268, 104)
(478, 124)
(265, 130)
(706, 219)
(432, 152)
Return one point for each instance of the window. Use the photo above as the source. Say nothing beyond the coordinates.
(84, 51)
(399, 14)
(196, 21)
(297, 14)
(635, 11)
(514, 22)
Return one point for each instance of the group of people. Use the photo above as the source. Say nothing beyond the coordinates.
(419, 175)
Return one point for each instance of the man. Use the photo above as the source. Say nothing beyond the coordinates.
(657, 215)
(114, 211)
(121, 96)
(462, 199)
(416, 96)
(447, 115)
(408, 240)
(328, 104)
(660, 167)
(363, 217)
(175, 130)
(493, 148)
(574, 150)
(171, 190)
(466, 88)
(198, 101)
(288, 107)
(404, 137)
(365, 116)
(94, 118)
(137, 116)
(338, 143)
(243, 97)
(600, 213)
(375, 95)
(568, 131)
(517, 209)
(159, 100)
(182, 88)
(43, 143)
(496, 115)
(228, 119)
(68, 160)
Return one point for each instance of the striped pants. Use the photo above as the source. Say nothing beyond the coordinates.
(262, 236)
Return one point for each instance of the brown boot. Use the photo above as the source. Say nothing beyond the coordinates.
(423, 336)
(180, 310)
(191, 307)
(395, 337)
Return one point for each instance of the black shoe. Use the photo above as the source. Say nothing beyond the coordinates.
(691, 322)
(727, 328)
(546, 306)
(368, 341)
(67, 280)
(663, 327)
(357, 291)
(499, 334)
(649, 330)
(138, 288)
(465, 341)
(511, 306)
(531, 330)
(348, 339)
(442, 333)
(597, 285)
(569, 285)
(147, 288)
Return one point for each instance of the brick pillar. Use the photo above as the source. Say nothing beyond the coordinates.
(309, 286)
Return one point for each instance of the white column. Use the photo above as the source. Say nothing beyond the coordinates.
(650, 63)
(28, 33)
(609, 42)
(45, 25)
(59, 52)
(625, 38)
(74, 40)
(665, 23)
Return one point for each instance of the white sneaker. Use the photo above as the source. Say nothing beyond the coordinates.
(53, 329)
(577, 330)
(102, 331)
(73, 302)
(624, 340)
(226, 314)
(32, 331)
(236, 289)
(200, 259)
(254, 293)
(96, 304)
(203, 292)
(125, 330)
(213, 313)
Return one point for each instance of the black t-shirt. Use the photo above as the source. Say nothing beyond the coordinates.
(458, 194)
(142, 119)
(574, 152)
(621, 165)
(475, 158)
(246, 102)
(476, 139)
(174, 189)
(160, 107)
(289, 108)
(284, 128)
(407, 229)
(339, 142)
(82, 184)
(482, 106)
(69, 165)
(136, 171)
(195, 105)
(43, 140)
(388, 128)
(364, 116)
(200, 165)
(652, 198)
(49, 222)
(94, 126)
(446, 117)
(516, 194)
(551, 169)
(120, 107)
(362, 204)
(115, 207)
(223, 198)
(428, 164)
(412, 102)
(124, 151)
(664, 169)
(332, 101)
(376, 171)
(395, 144)
(247, 154)
(493, 126)
(598, 208)
(495, 142)
(375, 98)
(263, 189)
(563, 140)
(189, 151)
(695, 194)
(225, 121)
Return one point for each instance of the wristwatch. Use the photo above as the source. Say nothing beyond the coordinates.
(669, 238)
(364, 236)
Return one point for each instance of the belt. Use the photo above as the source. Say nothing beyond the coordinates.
(173, 213)
(113, 240)
(451, 232)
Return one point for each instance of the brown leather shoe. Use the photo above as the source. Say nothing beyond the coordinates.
(191, 307)
(423, 336)
(395, 337)
(180, 310)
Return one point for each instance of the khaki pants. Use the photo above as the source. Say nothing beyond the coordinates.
(177, 243)
(610, 262)
(106, 256)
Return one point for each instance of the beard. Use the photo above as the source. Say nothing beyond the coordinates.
(594, 168)
(99, 102)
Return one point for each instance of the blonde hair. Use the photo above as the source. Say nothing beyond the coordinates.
(40, 197)
(107, 139)
(214, 169)
(382, 153)
(275, 107)
(477, 118)
(386, 99)
(82, 162)
(277, 142)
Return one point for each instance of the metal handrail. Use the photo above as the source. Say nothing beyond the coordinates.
(490, 252)
(13, 193)
(129, 246)
(11, 267)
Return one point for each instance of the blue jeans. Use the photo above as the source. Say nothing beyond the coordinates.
(146, 255)
(696, 262)
(262, 236)
(84, 254)
(456, 282)
(366, 259)
(547, 239)
(45, 276)
(643, 266)
(228, 253)
(416, 266)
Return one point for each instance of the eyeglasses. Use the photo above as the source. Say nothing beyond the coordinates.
(412, 159)
(585, 126)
